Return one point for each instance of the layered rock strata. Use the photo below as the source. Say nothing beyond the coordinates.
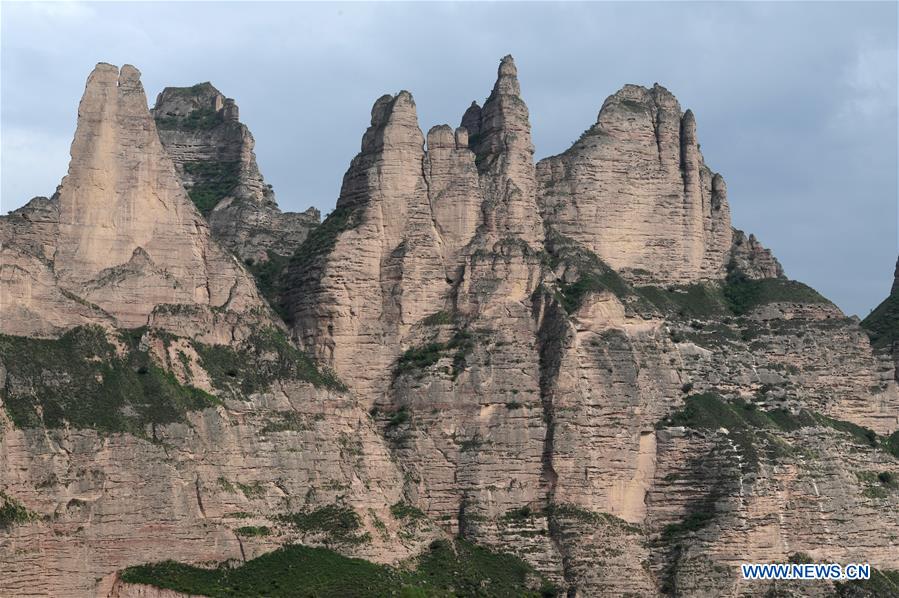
(753, 260)
(579, 362)
(126, 239)
(635, 190)
(213, 153)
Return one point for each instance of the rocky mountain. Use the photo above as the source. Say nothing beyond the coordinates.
(492, 376)
(120, 242)
(213, 154)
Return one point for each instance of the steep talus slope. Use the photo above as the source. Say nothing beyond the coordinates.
(579, 362)
(213, 153)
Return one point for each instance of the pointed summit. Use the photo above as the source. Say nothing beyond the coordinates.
(374, 267)
(500, 137)
(507, 78)
(129, 237)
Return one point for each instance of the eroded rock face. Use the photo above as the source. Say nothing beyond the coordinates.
(895, 279)
(635, 190)
(213, 153)
(189, 490)
(376, 265)
(32, 301)
(126, 238)
(579, 362)
(749, 257)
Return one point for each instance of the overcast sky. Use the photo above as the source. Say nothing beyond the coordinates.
(796, 103)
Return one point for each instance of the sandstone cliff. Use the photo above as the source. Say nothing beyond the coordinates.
(750, 258)
(579, 362)
(213, 153)
(635, 190)
(122, 238)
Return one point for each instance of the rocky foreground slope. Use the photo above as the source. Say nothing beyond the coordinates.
(487, 375)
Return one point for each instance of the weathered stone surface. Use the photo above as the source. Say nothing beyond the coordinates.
(749, 257)
(377, 267)
(581, 363)
(31, 300)
(213, 153)
(635, 190)
(109, 501)
(126, 237)
(505, 158)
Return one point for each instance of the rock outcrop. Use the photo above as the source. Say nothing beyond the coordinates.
(635, 190)
(882, 324)
(751, 259)
(213, 153)
(127, 237)
(579, 361)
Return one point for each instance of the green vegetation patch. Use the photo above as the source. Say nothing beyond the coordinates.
(750, 427)
(253, 531)
(882, 324)
(737, 295)
(594, 275)
(572, 295)
(264, 357)
(80, 380)
(340, 523)
(213, 181)
(440, 318)
(744, 294)
(420, 358)
(891, 444)
(462, 568)
(882, 584)
(201, 119)
(403, 510)
(444, 570)
(700, 300)
(577, 513)
(270, 276)
(13, 512)
(288, 571)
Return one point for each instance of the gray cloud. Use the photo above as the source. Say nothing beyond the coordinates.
(796, 102)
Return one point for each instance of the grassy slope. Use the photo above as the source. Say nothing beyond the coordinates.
(882, 324)
(445, 569)
(79, 379)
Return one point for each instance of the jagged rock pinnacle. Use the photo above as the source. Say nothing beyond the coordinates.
(507, 77)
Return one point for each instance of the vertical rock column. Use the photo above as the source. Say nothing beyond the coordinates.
(129, 237)
(376, 266)
(505, 159)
